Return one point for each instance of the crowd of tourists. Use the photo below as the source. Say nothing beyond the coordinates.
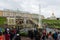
(9, 34)
(13, 34)
(38, 35)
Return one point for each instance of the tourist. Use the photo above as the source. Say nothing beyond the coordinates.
(17, 37)
(1, 36)
(30, 34)
(50, 36)
(37, 35)
(11, 34)
(55, 36)
(44, 35)
(7, 36)
(58, 35)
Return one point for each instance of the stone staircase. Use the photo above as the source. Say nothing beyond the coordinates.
(37, 23)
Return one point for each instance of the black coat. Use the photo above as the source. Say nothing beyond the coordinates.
(18, 38)
(30, 34)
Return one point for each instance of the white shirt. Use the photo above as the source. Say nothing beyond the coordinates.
(58, 36)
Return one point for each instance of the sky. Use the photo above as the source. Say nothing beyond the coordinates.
(46, 7)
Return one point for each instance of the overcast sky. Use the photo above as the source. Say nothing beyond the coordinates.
(46, 6)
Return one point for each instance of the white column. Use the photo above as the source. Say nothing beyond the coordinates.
(40, 21)
(8, 20)
(24, 20)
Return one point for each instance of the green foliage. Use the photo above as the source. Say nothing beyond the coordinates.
(2, 20)
(52, 23)
(23, 34)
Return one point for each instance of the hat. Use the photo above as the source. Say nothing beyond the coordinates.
(17, 34)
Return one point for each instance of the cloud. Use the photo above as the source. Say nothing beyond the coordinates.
(25, 5)
(48, 5)
(33, 6)
(4, 5)
(29, 5)
(48, 11)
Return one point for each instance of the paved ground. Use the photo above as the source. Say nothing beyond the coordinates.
(25, 38)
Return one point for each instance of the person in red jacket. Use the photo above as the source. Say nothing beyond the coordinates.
(1, 36)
